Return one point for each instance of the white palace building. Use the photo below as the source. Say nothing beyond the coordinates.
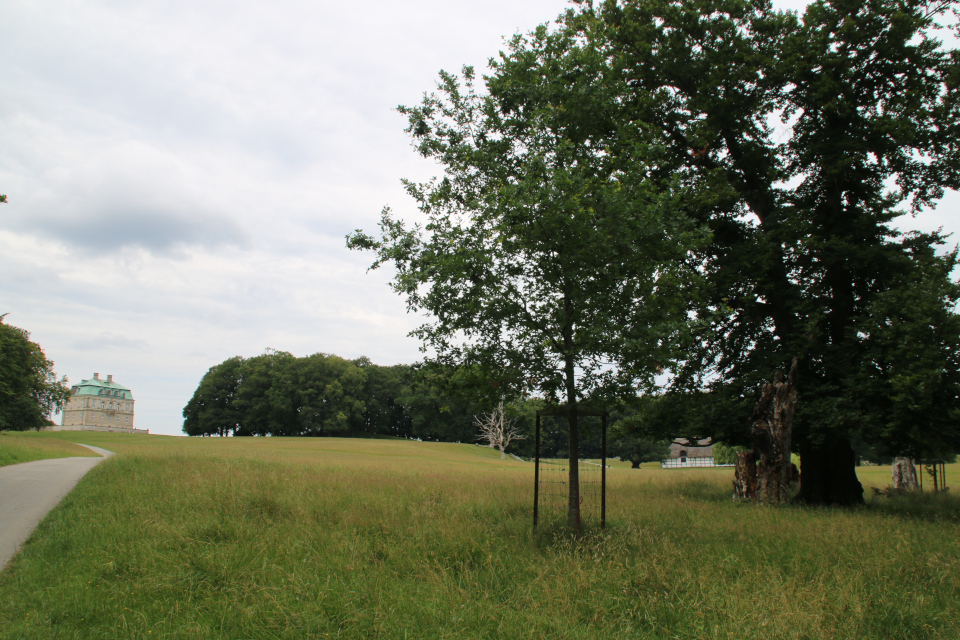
(98, 405)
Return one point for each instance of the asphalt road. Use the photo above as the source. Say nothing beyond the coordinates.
(29, 490)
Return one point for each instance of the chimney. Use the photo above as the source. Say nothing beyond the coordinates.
(109, 377)
(96, 376)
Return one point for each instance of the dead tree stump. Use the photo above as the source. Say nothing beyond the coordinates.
(745, 476)
(903, 475)
(764, 475)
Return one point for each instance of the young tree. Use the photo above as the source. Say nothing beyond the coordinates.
(805, 138)
(29, 389)
(637, 450)
(549, 261)
(497, 430)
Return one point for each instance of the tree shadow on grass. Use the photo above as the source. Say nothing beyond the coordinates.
(929, 507)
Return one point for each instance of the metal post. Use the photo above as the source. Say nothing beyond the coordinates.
(603, 474)
(536, 473)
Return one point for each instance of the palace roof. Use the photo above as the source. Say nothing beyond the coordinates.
(97, 387)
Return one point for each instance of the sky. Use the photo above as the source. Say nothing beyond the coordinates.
(181, 176)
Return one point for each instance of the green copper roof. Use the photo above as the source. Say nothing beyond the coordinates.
(97, 387)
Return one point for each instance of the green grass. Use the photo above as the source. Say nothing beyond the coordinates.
(16, 447)
(329, 538)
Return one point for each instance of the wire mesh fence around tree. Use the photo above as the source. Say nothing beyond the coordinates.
(551, 484)
(554, 490)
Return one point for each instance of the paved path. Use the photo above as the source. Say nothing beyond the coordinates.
(31, 489)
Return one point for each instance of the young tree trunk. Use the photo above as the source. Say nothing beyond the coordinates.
(772, 434)
(829, 473)
(573, 505)
(903, 475)
(570, 381)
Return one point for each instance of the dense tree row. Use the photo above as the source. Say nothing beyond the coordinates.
(277, 394)
(324, 395)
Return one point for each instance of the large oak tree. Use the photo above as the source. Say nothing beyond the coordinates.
(807, 137)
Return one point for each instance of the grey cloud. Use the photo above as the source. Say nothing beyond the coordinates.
(115, 228)
(107, 340)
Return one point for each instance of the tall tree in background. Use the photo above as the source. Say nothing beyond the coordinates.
(212, 409)
(29, 389)
(549, 261)
(806, 138)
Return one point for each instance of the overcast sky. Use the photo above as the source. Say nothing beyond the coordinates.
(181, 176)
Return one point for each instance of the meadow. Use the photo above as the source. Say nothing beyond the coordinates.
(16, 447)
(337, 538)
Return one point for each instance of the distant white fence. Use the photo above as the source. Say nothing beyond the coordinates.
(689, 463)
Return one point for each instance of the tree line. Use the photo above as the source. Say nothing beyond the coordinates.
(278, 394)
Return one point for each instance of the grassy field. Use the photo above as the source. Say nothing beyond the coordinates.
(18, 447)
(331, 538)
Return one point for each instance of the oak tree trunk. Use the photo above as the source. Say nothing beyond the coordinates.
(764, 474)
(745, 477)
(829, 473)
(772, 434)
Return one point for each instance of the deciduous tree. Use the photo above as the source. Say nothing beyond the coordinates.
(549, 260)
(29, 389)
(805, 138)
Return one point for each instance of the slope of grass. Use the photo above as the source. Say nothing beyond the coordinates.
(16, 447)
(324, 538)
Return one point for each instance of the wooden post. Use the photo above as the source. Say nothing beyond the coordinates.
(536, 473)
(603, 473)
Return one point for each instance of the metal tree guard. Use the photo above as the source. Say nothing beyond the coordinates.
(560, 412)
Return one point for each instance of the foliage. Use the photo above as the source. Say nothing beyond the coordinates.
(726, 454)
(548, 264)
(278, 394)
(804, 137)
(542, 260)
(639, 450)
(29, 389)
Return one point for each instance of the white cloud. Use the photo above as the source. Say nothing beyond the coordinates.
(181, 176)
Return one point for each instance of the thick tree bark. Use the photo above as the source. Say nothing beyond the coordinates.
(772, 434)
(764, 474)
(829, 473)
(903, 475)
(745, 476)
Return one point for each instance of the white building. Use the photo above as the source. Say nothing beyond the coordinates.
(99, 405)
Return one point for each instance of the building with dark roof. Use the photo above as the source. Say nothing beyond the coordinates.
(99, 405)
